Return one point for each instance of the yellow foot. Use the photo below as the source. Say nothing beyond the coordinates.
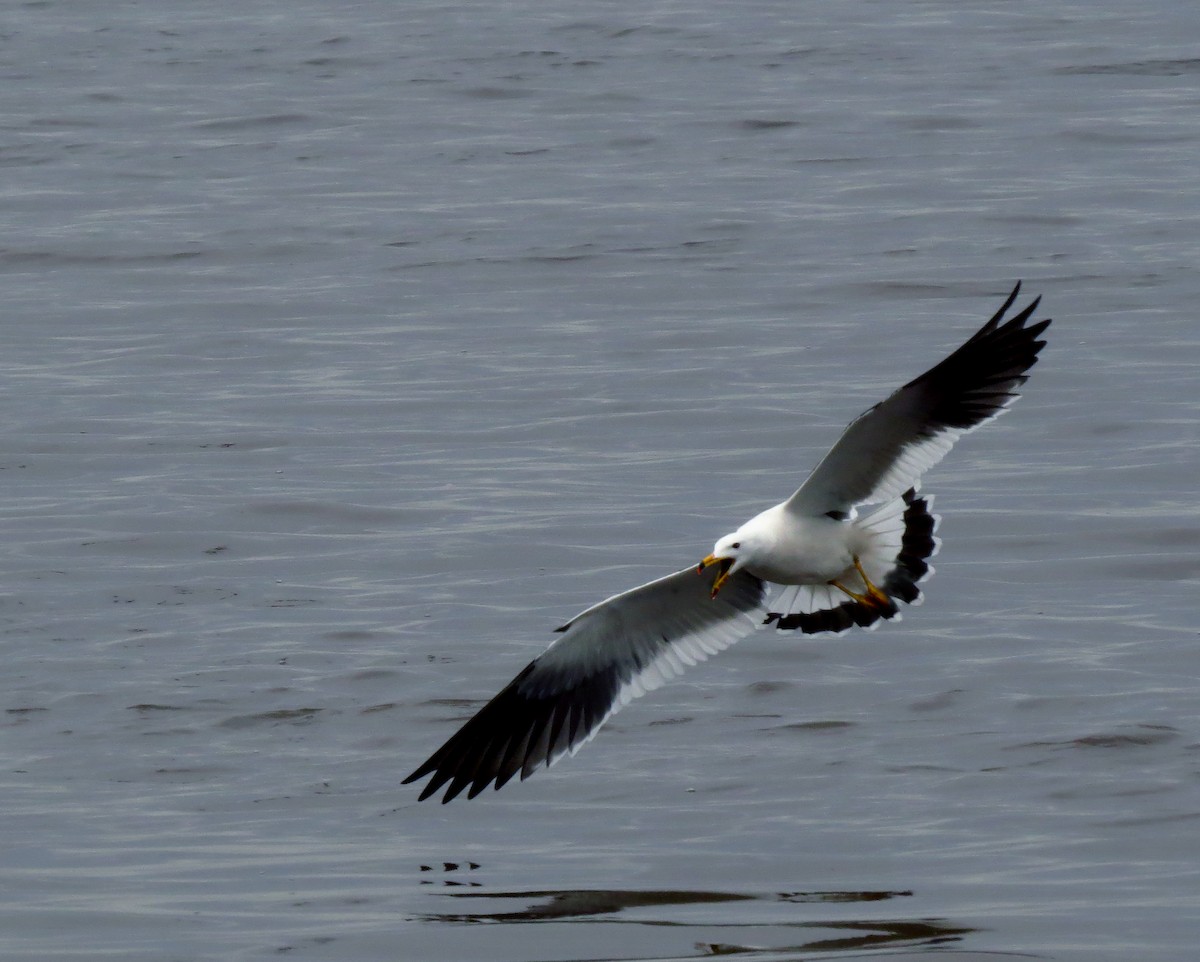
(871, 596)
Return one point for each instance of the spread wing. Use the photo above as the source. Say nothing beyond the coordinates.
(887, 448)
(608, 655)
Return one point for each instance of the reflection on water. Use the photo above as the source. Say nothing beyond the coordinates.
(559, 905)
(874, 935)
(450, 867)
(840, 935)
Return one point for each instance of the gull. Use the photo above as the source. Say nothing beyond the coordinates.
(837, 568)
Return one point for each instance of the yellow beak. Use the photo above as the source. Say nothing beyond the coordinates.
(708, 562)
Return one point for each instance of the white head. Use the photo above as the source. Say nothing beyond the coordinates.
(732, 553)
(730, 547)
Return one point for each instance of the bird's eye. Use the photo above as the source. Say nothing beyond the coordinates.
(736, 544)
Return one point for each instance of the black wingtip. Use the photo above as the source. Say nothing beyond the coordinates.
(420, 773)
(512, 735)
(999, 315)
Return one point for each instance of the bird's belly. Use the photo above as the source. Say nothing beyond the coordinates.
(804, 567)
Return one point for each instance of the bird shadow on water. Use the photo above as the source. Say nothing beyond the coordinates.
(780, 937)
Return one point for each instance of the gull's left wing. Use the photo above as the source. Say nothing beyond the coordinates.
(608, 655)
(886, 449)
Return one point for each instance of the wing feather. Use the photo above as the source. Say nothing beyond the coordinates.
(606, 656)
(885, 450)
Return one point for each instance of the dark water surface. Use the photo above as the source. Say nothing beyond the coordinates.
(350, 348)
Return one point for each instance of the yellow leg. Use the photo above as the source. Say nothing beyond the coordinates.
(861, 599)
(880, 597)
(872, 597)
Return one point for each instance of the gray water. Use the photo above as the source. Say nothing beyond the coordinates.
(350, 348)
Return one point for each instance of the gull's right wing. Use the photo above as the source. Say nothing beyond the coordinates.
(886, 449)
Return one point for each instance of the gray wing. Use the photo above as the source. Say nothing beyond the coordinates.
(608, 655)
(885, 450)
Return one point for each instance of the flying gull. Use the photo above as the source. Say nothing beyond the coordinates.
(837, 569)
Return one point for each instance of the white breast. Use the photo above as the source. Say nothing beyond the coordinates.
(792, 550)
